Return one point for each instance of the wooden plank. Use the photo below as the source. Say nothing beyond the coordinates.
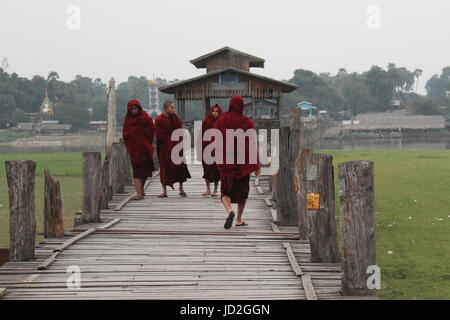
(260, 189)
(274, 227)
(306, 278)
(309, 289)
(124, 202)
(292, 260)
(71, 241)
(44, 264)
(273, 212)
(109, 224)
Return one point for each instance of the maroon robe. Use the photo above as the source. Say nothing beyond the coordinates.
(169, 172)
(210, 171)
(234, 177)
(138, 133)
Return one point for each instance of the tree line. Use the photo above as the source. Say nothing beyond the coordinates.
(84, 99)
(372, 91)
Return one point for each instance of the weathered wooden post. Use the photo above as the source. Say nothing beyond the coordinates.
(286, 199)
(304, 156)
(114, 167)
(357, 220)
(53, 215)
(92, 187)
(111, 135)
(105, 185)
(125, 166)
(20, 178)
(316, 206)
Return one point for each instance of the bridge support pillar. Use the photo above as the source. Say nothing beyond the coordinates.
(357, 221)
(20, 179)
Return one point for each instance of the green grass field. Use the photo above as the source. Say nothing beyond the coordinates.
(412, 212)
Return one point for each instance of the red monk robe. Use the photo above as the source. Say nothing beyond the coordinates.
(234, 177)
(138, 133)
(210, 171)
(169, 172)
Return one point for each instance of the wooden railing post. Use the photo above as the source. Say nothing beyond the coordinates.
(53, 215)
(126, 175)
(316, 206)
(357, 220)
(20, 178)
(303, 158)
(105, 185)
(286, 201)
(114, 167)
(92, 187)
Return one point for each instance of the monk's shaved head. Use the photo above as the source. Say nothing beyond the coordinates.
(167, 104)
(169, 107)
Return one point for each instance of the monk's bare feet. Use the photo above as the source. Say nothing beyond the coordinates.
(206, 193)
(137, 197)
(163, 195)
(214, 194)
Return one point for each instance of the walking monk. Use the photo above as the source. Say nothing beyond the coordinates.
(235, 175)
(138, 133)
(169, 173)
(210, 171)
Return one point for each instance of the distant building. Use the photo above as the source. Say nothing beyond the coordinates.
(52, 127)
(227, 74)
(393, 124)
(307, 108)
(100, 126)
(28, 126)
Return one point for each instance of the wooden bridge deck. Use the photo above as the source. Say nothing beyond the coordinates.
(176, 248)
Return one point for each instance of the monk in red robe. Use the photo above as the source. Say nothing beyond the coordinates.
(234, 174)
(210, 171)
(169, 172)
(138, 133)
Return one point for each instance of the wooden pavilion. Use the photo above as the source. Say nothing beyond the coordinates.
(228, 74)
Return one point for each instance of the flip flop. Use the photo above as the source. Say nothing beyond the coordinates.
(162, 195)
(214, 195)
(183, 194)
(229, 221)
(204, 194)
(243, 224)
(136, 198)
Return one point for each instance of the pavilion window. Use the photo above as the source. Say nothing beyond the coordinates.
(228, 77)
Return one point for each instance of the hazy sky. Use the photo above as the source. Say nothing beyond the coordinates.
(137, 37)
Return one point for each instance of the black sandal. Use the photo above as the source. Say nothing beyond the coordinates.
(229, 221)
(243, 224)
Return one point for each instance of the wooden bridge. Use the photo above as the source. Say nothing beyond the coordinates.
(176, 248)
